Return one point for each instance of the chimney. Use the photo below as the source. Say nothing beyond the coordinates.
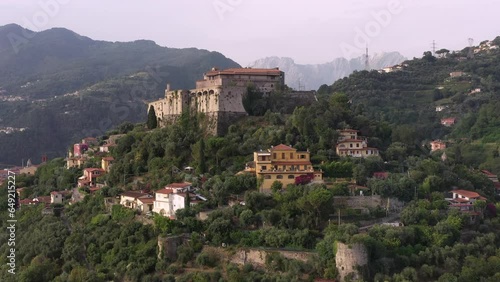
(168, 86)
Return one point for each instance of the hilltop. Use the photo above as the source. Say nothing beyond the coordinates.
(57, 86)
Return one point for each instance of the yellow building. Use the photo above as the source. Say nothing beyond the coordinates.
(106, 163)
(283, 163)
(77, 162)
(350, 144)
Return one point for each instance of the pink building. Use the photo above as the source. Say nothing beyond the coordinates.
(448, 121)
(79, 149)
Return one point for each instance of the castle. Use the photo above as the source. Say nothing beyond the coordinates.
(219, 96)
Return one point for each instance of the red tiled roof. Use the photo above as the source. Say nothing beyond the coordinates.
(178, 185)
(108, 158)
(466, 193)
(487, 172)
(381, 174)
(245, 71)
(94, 169)
(282, 147)
(146, 200)
(165, 191)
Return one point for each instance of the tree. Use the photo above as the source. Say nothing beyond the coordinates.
(202, 167)
(276, 186)
(152, 122)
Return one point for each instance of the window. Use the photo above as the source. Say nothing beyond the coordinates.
(279, 176)
(357, 145)
(267, 176)
(274, 155)
(264, 167)
(350, 145)
(283, 156)
(291, 156)
(302, 156)
(291, 176)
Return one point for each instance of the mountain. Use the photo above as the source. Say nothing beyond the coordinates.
(57, 86)
(311, 77)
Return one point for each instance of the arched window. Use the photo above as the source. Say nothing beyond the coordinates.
(279, 176)
(291, 176)
(267, 176)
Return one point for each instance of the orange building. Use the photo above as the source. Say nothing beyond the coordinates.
(437, 145)
(284, 164)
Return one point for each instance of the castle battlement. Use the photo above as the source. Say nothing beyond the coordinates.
(219, 95)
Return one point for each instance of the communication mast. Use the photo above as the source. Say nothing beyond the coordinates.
(433, 48)
(367, 60)
(470, 55)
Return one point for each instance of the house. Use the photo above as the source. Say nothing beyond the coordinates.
(79, 149)
(474, 91)
(494, 178)
(75, 162)
(106, 163)
(180, 187)
(90, 141)
(457, 74)
(57, 197)
(168, 200)
(106, 147)
(437, 145)
(35, 201)
(351, 145)
(463, 200)
(90, 176)
(29, 169)
(448, 121)
(440, 108)
(136, 200)
(284, 164)
(491, 176)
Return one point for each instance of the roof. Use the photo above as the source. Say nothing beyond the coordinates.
(437, 141)
(487, 172)
(94, 169)
(466, 193)
(108, 158)
(349, 130)
(146, 200)
(165, 191)
(282, 147)
(245, 71)
(452, 119)
(381, 174)
(178, 185)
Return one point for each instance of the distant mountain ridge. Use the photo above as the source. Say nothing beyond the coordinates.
(60, 86)
(312, 76)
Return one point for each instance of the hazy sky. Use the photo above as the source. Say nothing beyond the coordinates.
(313, 31)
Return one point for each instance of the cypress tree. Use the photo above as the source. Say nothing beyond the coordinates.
(152, 122)
(201, 154)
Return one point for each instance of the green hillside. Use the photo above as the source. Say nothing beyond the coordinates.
(68, 86)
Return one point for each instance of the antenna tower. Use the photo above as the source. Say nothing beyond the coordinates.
(434, 48)
(367, 59)
(470, 55)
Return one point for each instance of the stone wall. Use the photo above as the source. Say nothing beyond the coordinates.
(257, 257)
(350, 258)
(167, 246)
